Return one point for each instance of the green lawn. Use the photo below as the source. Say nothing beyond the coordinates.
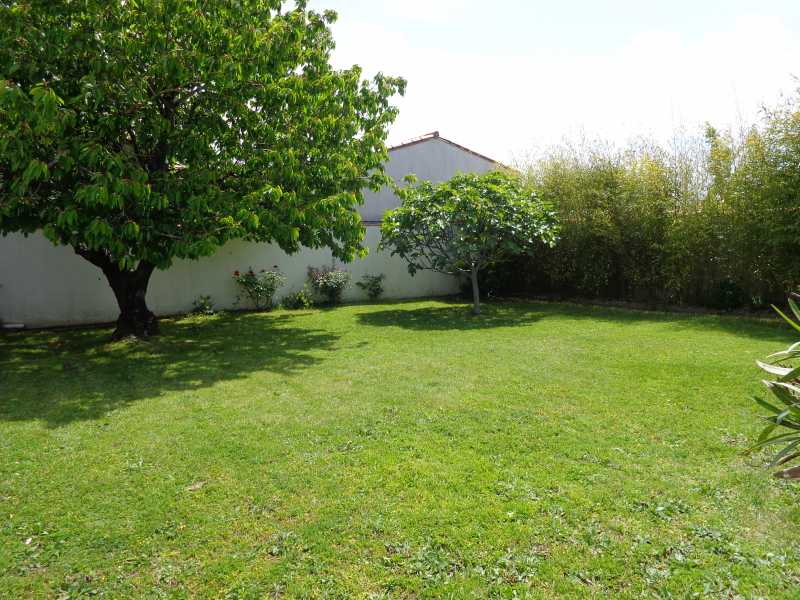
(403, 450)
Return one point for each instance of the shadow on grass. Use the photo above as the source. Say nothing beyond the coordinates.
(65, 376)
(766, 328)
(449, 317)
(455, 315)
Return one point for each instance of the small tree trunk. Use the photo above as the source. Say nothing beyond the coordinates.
(476, 294)
(130, 290)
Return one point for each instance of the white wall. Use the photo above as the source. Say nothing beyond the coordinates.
(42, 284)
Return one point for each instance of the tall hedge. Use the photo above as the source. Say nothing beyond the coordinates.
(711, 222)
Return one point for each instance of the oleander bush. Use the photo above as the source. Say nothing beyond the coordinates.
(782, 431)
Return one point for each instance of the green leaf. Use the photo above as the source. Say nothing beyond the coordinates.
(794, 307)
(787, 319)
(773, 369)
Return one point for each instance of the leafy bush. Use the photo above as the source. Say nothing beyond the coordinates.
(329, 282)
(300, 299)
(203, 305)
(709, 220)
(259, 287)
(372, 285)
(784, 368)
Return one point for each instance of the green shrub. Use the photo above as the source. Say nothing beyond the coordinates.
(259, 287)
(709, 221)
(329, 282)
(203, 305)
(372, 285)
(784, 369)
(298, 300)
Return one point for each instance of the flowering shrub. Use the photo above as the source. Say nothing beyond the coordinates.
(259, 287)
(329, 282)
(298, 300)
(373, 285)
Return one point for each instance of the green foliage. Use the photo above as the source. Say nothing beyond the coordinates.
(615, 212)
(203, 305)
(466, 224)
(372, 285)
(783, 368)
(708, 221)
(298, 300)
(138, 132)
(259, 287)
(329, 282)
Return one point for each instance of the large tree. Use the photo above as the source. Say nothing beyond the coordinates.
(466, 224)
(141, 131)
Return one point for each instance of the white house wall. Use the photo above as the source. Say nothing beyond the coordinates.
(433, 159)
(43, 285)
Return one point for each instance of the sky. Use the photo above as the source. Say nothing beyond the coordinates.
(510, 78)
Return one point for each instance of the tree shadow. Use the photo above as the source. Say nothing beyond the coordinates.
(59, 377)
(449, 316)
(63, 376)
(456, 315)
(766, 327)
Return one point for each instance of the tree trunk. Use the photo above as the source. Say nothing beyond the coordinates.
(476, 295)
(130, 290)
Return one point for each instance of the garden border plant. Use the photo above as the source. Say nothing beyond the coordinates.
(299, 300)
(329, 282)
(372, 285)
(203, 305)
(259, 287)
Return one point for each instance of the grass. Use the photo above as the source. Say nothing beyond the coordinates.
(394, 450)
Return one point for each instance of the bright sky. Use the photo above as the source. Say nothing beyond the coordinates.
(510, 77)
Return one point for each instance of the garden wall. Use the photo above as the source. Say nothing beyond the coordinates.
(42, 284)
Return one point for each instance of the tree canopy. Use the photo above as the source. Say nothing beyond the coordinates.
(467, 224)
(143, 131)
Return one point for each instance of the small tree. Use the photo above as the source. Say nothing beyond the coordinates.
(466, 224)
(141, 132)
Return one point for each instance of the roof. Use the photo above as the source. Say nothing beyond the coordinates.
(434, 135)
